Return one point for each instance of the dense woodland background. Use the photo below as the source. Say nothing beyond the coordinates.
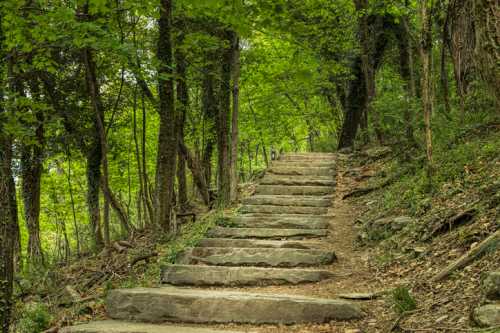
(122, 116)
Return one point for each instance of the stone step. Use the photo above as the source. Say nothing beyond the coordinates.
(298, 180)
(276, 217)
(307, 157)
(190, 275)
(259, 243)
(114, 326)
(271, 209)
(303, 164)
(301, 171)
(289, 200)
(294, 190)
(266, 233)
(306, 222)
(225, 256)
(210, 306)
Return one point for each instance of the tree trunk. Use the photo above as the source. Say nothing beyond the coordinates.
(209, 106)
(222, 124)
(97, 106)
(234, 119)
(183, 103)
(93, 182)
(198, 174)
(426, 55)
(8, 209)
(405, 61)
(167, 137)
(357, 96)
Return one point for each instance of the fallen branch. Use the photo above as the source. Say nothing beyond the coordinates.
(144, 257)
(489, 243)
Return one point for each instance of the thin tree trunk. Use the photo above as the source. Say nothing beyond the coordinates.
(234, 118)
(426, 55)
(198, 174)
(73, 209)
(148, 202)
(167, 138)
(183, 102)
(95, 99)
(222, 124)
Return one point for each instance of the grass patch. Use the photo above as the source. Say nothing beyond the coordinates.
(402, 300)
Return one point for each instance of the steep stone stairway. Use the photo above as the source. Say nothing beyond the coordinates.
(278, 238)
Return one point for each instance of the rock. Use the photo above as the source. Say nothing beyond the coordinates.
(298, 181)
(400, 222)
(210, 306)
(112, 326)
(377, 152)
(266, 233)
(283, 223)
(271, 209)
(260, 243)
(255, 257)
(288, 200)
(491, 285)
(294, 190)
(487, 315)
(184, 275)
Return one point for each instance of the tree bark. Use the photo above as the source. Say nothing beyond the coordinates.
(210, 110)
(223, 127)
(31, 173)
(183, 103)
(167, 137)
(8, 208)
(234, 119)
(198, 174)
(97, 106)
(357, 96)
(426, 55)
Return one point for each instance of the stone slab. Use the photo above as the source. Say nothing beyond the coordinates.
(272, 209)
(257, 257)
(289, 200)
(283, 223)
(114, 326)
(260, 243)
(297, 180)
(190, 275)
(266, 233)
(301, 171)
(209, 306)
(294, 190)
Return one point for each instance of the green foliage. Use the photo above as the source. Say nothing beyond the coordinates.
(402, 300)
(35, 318)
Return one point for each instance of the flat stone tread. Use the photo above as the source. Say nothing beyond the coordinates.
(222, 232)
(301, 171)
(269, 257)
(290, 223)
(214, 306)
(287, 200)
(279, 209)
(307, 164)
(260, 243)
(239, 276)
(276, 217)
(115, 326)
(298, 181)
(294, 190)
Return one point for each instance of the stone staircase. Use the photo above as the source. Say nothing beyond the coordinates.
(277, 239)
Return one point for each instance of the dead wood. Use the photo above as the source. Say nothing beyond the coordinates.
(144, 257)
(490, 242)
